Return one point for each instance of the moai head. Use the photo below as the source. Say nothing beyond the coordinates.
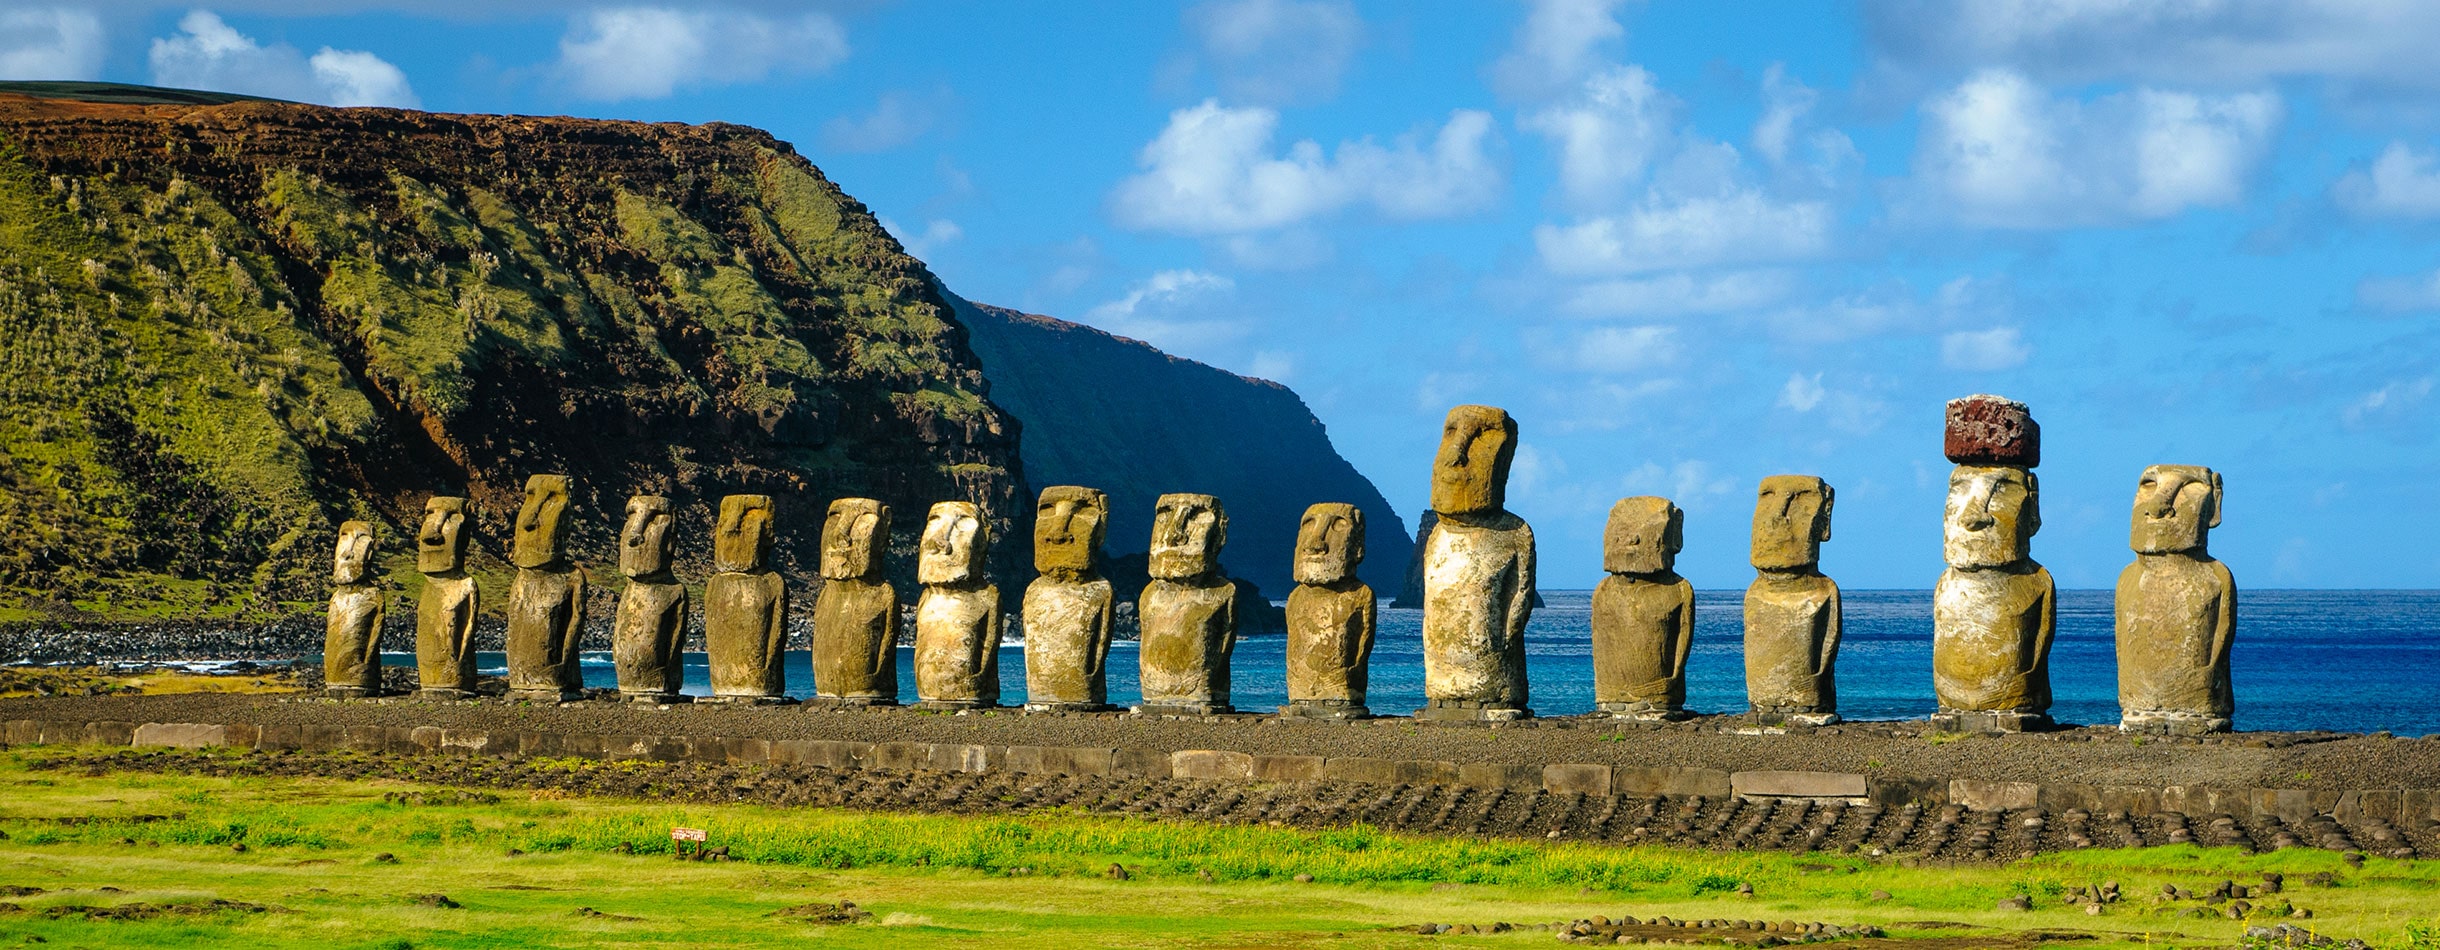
(440, 545)
(1644, 536)
(1329, 543)
(1068, 526)
(854, 537)
(1993, 511)
(741, 541)
(1187, 533)
(1470, 475)
(2175, 506)
(540, 538)
(353, 562)
(954, 539)
(644, 542)
(1791, 520)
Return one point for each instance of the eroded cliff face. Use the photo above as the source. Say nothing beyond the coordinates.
(226, 328)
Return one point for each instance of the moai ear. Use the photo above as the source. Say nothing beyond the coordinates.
(2030, 520)
(1673, 537)
(1823, 518)
(2214, 500)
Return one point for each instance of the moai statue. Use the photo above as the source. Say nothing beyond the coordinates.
(1189, 610)
(1643, 613)
(745, 606)
(351, 641)
(2177, 609)
(1791, 611)
(1994, 610)
(546, 604)
(1331, 616)
(1069, 610)
(444, 615)
(957, 620)
(1478, 575)
(855, 617)
(651, 623)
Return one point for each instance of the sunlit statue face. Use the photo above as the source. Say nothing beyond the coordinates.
(540, 523)
(644, 541)
(352, 563)
(1068, 525)
(853, 537)
(1993, 512)
(954, 539)
(1188, 531)
(1470, 475)
(741, 539)
(1329, 543)
(440, 544)
(1644, 536)
(1791, 520)
(2176, 506)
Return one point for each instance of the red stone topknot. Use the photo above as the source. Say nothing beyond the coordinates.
(1992, 430)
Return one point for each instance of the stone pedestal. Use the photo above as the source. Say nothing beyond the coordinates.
(1339, 709)
(1989, 720)
(1463, 710)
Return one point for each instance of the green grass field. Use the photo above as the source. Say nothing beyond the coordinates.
(341, 864)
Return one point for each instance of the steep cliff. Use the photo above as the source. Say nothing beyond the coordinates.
(225, 327)
(1119, 415)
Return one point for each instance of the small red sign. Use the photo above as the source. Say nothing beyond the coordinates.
(688, 834)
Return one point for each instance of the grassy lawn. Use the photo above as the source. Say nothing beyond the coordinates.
(340, 864)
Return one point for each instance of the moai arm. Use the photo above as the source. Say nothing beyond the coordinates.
(2225, 634)
(1228, 621)
(1105, 624)
(775, 627)
(994, 628)
(1367, 616)
(574, 626)
(461, 620)
(1520, 607)
(1830, 633)
(1685, 632)
(2049, 626)
(885, 654)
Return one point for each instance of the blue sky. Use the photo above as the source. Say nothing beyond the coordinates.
(1686, 244)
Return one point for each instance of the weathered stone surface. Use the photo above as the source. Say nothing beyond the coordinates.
(855, 618)
(1058, 760)
(2176, 609)
(1643, 612)
(1069, 611)
(546, 603)
(1188, 612)
(1655, 781)
(1331, 616)
(1364, 769)
(1576, 779)
(1792, 613)
(651, 623)
(445, 612)
(1139, 763)
(1212, 764)
(180, 735)
(1978, 795)
(1991, 516)
(541, 539)
(1770, 784)
(1478, 574)
(961, 757)
(1994, 610)
(351, 642)
(957, 619)
(1513, 777)
(1992, 430)
(1791, 520)
(745, 604)
(1288, 768)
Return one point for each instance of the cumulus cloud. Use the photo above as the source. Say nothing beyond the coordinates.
(1679, 294)
(2394, 401)
(1985, 350)
(1802, 392)
(1686, 482)
(1607, 133)
(1665, 232)
(1613, 350)
(1275, 52)
(50, 43)
(1559, 44)
(2404, 182)
(1185, 312)
(897, 119)
(935, 234)
(208, 54)
(1213, 171)
(649, 52)
(1999, 151)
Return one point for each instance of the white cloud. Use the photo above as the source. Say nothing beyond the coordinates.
(1802, 392)
(1622, 349)
(651, 52)
(2418, 293)
(936, 234)
(208, 54)
(50, 43)
(1985, 350)
(1606, 134)
(1182, 311)
(1680, 294)
(1999, 151)
(897, 119)
(1686, 482)
(1743, 226)
(2397, 400)
(1556, 47)
(1274, 52)
(1212, 171)
(1784, 103)
(1272, 365)
(2403, 183)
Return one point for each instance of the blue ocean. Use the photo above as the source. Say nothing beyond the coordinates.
(2304, 659)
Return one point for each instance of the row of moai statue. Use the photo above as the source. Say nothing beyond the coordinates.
(1994, 607)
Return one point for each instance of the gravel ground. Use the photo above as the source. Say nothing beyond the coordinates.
(2094, 756)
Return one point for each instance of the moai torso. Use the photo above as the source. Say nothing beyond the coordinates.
(351, 642)
(957, 620)
(445, 612)
(546, 602)
(1478, 574)
(1188, 613)
(855, 618)
(745, 604)
(1069, 610)
(1995, 610)
(1331, 616)
(1792, 615)
(651, 623)
(2177, 609)
(1643, 612)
